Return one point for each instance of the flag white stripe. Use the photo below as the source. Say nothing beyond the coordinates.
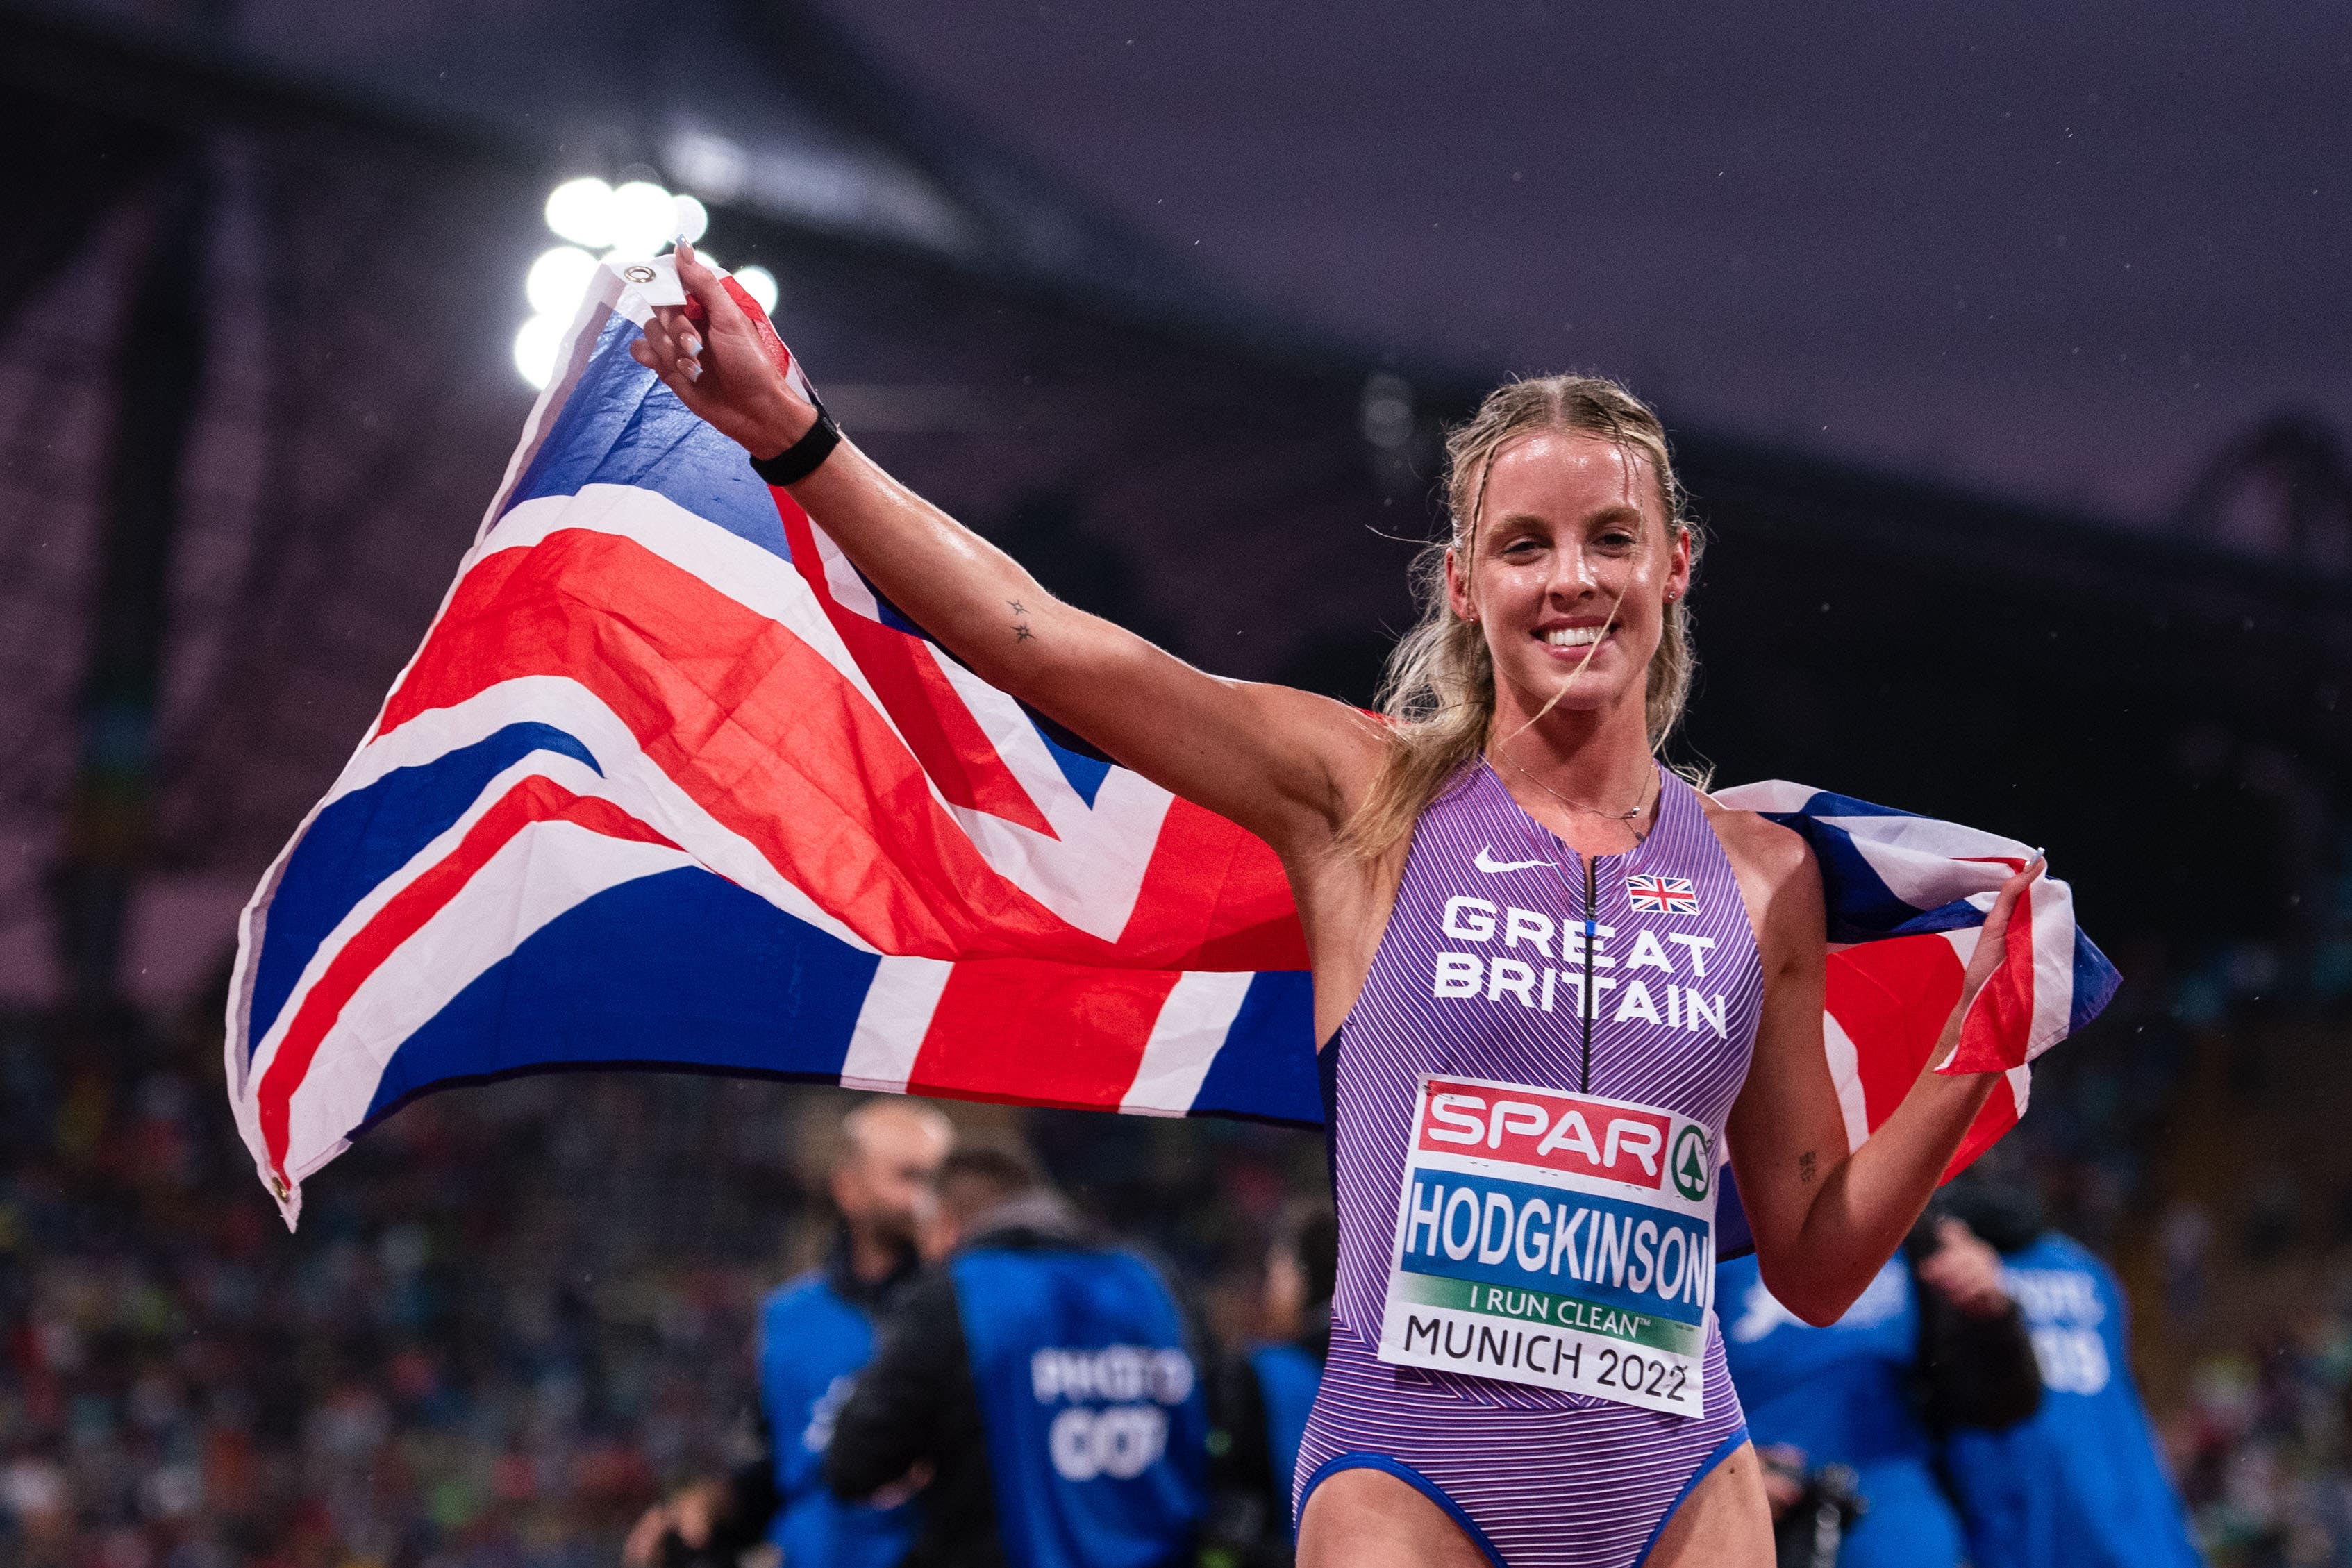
(1964, 945)
(892, 1022)
(1845, 1075)
(2053, 965)
(1185, 1039)
(752, 575)
(1089, 873)
(543, 873)
(630, 780)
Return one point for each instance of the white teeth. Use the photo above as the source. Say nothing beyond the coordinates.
(1574, 636)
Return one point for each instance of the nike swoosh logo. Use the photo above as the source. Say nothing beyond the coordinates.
(1485, 860)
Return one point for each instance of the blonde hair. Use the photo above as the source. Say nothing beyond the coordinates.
(1439, 689)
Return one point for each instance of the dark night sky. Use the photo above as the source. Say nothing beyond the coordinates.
(2061, 250)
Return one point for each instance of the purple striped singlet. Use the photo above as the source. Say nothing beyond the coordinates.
(1538, 1478)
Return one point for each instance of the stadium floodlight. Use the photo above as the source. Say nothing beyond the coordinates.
(632, 223)
(761, 284)
(581, 212)
(645, 218)
(536, 344)
(557, 280)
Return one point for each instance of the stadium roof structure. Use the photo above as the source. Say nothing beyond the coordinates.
(767, 106)
(255, 388)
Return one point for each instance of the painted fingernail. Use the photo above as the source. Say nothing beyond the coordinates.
(691, 371)
(690, 345)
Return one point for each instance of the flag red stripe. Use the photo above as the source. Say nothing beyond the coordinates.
(535, 799)
(755, 724)
(780, 748)
(1217, 895)
(1999, 1024)
(1063, 1034)
(912, 689)
(1891, 998)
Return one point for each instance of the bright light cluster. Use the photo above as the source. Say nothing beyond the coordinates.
(633, 221)
(761, 284)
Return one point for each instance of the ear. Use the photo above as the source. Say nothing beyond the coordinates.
(1678, 571)
(1457, 588)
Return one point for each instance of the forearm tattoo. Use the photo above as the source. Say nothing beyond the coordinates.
(1020, 632)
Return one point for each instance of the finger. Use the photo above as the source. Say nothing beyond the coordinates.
(2006, 894)
(674, 341)
(2004, 903)
(659, 343)
(706, 286)
(671, 350)
(682, 338)
(2018, 882)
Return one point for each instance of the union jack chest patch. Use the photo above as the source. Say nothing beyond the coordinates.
(1662, 895)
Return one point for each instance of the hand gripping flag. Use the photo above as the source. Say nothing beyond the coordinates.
(669, 784)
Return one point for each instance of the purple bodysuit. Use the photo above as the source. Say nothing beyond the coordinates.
(1540, 1477)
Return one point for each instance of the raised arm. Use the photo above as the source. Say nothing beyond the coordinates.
(1284, 764)
(1825, 1221)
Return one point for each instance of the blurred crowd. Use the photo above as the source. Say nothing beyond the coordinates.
(511, 1317)
(515, 1315)
(415, 1378)
(2193, 1131)
(2259, 1442)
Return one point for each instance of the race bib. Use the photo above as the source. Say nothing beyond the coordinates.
(1555, 1240)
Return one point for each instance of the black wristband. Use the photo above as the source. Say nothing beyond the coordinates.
(803, 458)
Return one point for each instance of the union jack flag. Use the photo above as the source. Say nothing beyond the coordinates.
(1907, 900)
(1662, 895)
(668, 785)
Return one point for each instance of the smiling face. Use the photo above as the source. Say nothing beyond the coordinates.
(1568, 574)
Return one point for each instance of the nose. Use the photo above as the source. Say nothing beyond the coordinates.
(1574, 574)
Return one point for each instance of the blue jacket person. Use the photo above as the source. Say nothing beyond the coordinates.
(816, 1333)
(1039, 1389)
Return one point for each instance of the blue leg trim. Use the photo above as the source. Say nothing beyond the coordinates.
(1723, 1451)
(1418, 1482)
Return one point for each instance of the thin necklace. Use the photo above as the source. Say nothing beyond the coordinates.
(1641, 836)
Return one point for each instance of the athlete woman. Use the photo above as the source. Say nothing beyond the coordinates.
(1514, 813)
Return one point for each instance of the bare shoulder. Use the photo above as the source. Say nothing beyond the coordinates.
(1777, 877)
(1758, 845)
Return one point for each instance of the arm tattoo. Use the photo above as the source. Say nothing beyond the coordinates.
(1020, 632)
(1805, 1167)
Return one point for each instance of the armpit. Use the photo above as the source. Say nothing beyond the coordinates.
(1771, 863)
